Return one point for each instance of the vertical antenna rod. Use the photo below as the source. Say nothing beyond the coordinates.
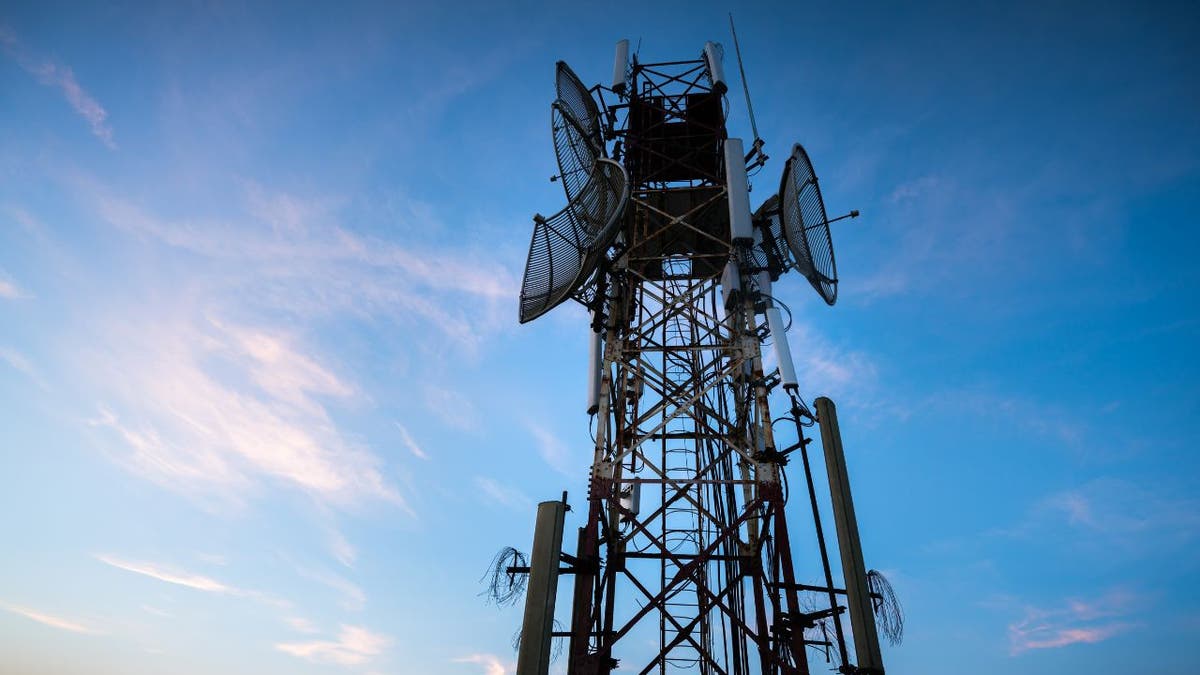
(745, 87)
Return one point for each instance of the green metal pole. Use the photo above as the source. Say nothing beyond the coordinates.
(536, 629)
(858, 593)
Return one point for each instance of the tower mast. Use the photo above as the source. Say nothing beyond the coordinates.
(684, 562)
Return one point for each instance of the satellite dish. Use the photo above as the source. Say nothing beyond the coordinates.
(805, 225)
(578, 103)
(575, 152)
(575, 126)
(567, 247)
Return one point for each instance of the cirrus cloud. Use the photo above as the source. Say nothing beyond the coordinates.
(50, 620)
(61, 77)
(216, 408)
(1075, 621)
(175, 576)
(491, 664)
(354, 646)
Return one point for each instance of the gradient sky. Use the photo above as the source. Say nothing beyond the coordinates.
(265, 406)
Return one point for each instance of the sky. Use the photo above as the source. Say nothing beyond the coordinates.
(265, 406)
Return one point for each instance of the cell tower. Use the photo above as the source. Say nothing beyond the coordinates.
(685, 562)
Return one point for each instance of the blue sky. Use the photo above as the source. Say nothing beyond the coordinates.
(265, 406)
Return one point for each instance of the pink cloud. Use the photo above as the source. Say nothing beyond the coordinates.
(50, 620)
(1070, 636)
(491, 664)
(184, 423)
(354, 646)
(1075, 622)
(9, 290)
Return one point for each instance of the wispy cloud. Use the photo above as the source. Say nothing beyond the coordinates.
(552, 450)
(354, 646)
(1047, 421)
(51, 620)
(300, 624)
(23, 365)
(927, 244)
(296, 248)
(341, 547)
(151, 609)
(838, 371)
(1114, 515)
(186, 579)
(491, 664)
(10, 291)
(407, 439)
(154, 571)
(452, 407)
(352, 596)
(201, 428)
(53, 74)
(1077, 621)
(1045, 637)
(1121, 510)
(913, 189)
(503, 495)
(9, 288)
(196, 430)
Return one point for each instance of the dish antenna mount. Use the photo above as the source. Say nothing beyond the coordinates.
(568, 247)
(793, 228)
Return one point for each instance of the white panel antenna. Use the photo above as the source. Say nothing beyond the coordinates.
(738, 187)
(621, 67)
(631, 499)
(716, 70)
(783, 351)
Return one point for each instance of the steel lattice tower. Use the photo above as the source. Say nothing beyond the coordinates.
(685, 561)
(684, 420)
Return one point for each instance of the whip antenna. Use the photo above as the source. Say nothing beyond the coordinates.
(758, 142)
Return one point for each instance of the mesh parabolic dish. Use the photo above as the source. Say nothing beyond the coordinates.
(576, 155)
(805, 225)
(578, 102)
(567, 247)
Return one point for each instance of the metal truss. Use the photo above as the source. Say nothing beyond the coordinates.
(705, 551)
(685, 562)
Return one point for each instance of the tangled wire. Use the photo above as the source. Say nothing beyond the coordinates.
(888, 611)
(502, 587)
(556, 643)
